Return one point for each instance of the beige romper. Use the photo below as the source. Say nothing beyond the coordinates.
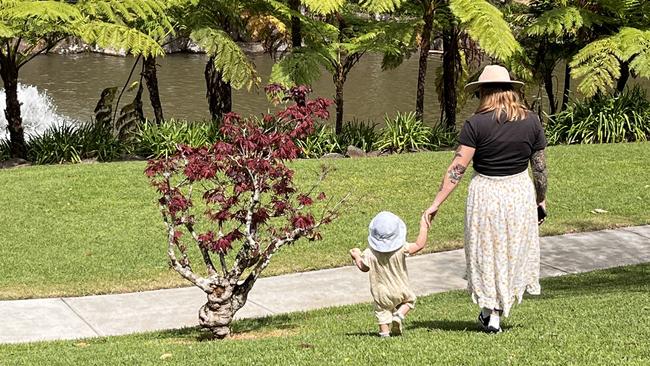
(389, 282)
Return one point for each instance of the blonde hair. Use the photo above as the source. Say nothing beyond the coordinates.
(501, 99)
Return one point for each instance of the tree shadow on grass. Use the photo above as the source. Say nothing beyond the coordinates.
(635, 278)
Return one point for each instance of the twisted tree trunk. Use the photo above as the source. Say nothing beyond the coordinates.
(151, 78)
(217, 314)
(9, 74)
(450, 67)
(219, 92)
(425, 46)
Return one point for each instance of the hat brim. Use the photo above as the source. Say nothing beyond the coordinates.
(387, 246)
(473, 87)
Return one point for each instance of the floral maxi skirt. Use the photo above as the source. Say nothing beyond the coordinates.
(501, 240)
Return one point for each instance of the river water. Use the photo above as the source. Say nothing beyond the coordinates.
(68, 87)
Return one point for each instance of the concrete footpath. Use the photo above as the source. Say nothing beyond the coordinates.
(104, 315)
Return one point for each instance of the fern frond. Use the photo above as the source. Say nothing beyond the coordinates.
(635, 44)
(485, 24)
(40, 11)
(302, 66)
(382, 6)
(119, 36)
(598, 65)
(558, 22)
(7, 32)
(324, 7)
(229, 58)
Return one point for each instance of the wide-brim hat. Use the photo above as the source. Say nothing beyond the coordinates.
(386, 232)
(493, 74)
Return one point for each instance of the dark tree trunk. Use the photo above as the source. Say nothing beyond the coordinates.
(425, 46)
(567, 86)
(625, 75)
(219, 92)
(339, 82)
(151, 78)
(548, 86)
(450, 68)
(296, 33)
(9, 74)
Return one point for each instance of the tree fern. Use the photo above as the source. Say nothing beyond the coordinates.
(382, 6)
(119, 36)
(324, 7)
(302, 66)
(561, 21)
(485, 24)
(598, 64)
(230, 60)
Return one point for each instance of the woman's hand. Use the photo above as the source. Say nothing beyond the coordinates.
(430, 213)
(355, 253)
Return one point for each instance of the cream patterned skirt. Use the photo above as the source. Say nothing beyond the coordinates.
(501, 240)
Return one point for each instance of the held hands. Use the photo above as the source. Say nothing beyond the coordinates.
(430, 213)
(355, 253)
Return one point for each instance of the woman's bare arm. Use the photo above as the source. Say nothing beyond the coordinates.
(540, 175)
(462, 157)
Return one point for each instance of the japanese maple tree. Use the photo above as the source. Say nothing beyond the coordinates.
(236, 202)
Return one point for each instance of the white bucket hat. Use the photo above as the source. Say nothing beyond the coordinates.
(387, 232)
(493, 74)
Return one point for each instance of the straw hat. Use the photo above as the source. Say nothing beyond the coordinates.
(493, 74)
(387, 232)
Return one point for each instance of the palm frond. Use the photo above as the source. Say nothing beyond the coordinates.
(485, 24)
(229, 58)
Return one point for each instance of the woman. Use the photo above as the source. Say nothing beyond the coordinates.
(501, 220)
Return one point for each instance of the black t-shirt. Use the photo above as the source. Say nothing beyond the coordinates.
(502, 148)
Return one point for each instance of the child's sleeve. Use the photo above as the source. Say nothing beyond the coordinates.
(406, 249)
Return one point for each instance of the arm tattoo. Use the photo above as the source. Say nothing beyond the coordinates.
(456, 173)
(540, 174)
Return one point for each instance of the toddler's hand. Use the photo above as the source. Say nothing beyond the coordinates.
(424, 223)
(355, 252)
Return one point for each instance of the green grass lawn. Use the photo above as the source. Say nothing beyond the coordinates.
(598, 318)
(95, 228)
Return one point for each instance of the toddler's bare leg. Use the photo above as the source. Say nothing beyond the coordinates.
(384, 328)
(404, 309)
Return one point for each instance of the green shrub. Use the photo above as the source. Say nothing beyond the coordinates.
(56, 145)
(71, 143)
(5, 149)
(322, 141)
(359, 134)
(441, 137)
(403, 134)
(603, 119)
(155, 141)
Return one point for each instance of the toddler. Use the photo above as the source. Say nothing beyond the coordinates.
(385, 259)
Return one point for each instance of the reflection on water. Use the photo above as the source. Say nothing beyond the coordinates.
(74, 82)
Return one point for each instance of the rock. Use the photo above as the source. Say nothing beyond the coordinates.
(374, 154)
(89, 161)
(355, 152)
(13, 163)
(332, 156)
